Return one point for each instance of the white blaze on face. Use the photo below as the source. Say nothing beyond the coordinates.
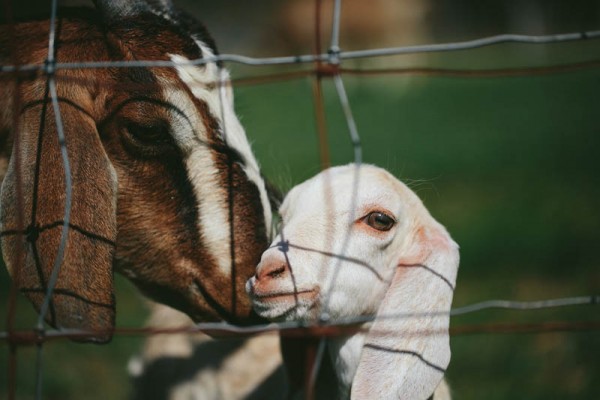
(211, 85)
(190, 133)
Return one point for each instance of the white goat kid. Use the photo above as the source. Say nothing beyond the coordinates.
(355, 241)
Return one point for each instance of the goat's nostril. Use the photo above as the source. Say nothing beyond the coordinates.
(276, 273)
(274, 270)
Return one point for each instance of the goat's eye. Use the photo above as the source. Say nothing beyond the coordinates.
(148, 139)
(380, 221)
(151, 134)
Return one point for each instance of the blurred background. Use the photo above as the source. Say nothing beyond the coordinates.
(508, 163)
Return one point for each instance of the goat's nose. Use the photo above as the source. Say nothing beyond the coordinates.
(271, 270)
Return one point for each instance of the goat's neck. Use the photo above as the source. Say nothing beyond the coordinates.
(345, 354)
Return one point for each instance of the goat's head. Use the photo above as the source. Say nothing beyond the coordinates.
(355, 242)
(165, 186)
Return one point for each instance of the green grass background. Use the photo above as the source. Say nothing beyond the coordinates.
(511, 167)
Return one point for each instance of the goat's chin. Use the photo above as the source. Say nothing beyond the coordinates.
(284, 313)
(285, 308)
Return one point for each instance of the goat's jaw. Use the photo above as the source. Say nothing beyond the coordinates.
(283, 305)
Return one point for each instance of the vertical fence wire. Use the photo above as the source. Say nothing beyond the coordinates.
(334, 45)
(50, 72)
(317, 87)
(20, 251)
(334, 60)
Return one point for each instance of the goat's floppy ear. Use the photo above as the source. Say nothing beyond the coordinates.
(83, 296)
(406, 356)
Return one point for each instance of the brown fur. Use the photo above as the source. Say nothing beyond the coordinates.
(143, 220)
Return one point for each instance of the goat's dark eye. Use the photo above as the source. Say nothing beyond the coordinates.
(380, 221)
(148, 139)
(150, 134)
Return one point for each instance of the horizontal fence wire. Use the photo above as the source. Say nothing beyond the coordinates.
(326, 64)
(30, 337)
(328, 72)
(334, 58)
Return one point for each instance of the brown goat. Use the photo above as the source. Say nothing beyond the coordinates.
(165, 190)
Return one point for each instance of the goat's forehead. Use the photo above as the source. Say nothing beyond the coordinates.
(347, 187)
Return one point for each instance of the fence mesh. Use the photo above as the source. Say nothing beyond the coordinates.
(320, 66)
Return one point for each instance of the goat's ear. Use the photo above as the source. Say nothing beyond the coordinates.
(406, 356)
(83, 297)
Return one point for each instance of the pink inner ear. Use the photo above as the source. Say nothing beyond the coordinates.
(424, 247)
(425, 241)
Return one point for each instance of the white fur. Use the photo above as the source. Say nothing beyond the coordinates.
(191, 136)
(368, 275)
(204, 82)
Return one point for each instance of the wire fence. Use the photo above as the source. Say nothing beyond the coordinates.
(322, 65)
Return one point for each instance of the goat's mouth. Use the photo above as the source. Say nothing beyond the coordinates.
(278, 297)
(283, 304)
